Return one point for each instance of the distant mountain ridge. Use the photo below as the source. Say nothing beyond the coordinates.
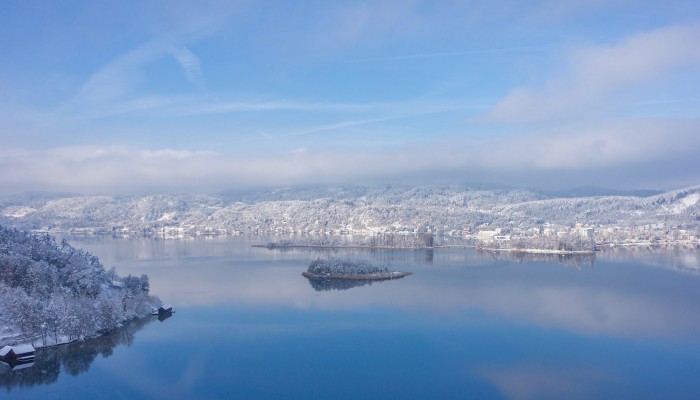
(593, 191)
(362, 209)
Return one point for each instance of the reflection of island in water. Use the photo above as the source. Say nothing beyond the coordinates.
(680, 259)
(573, 260)
(321, 285)
(384, 255)
(74, 358)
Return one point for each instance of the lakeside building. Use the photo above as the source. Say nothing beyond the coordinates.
(17, 353)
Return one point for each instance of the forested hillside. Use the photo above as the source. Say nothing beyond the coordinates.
(437, 209)
(51, 292)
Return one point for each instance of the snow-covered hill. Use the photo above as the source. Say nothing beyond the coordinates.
(360, 209)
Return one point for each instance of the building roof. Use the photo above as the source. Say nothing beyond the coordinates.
(18, 349)
(166, 306)
(23, 348)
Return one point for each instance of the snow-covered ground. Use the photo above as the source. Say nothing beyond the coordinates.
(368, 210)
(687, 201)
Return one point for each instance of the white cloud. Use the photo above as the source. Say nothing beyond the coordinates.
(119, 77)
(189, 63)
(639, 146)
(536, 381)
(299, 150)
(116, 87)
(597, 74)
(98, 169)
(337, 125)
(638, 59)
(366, 22)
(449, 54)
(192, 106)
(603, 144)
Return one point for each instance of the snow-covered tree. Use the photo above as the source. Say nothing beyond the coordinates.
(50, 291)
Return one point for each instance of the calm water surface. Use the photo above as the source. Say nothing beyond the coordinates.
(464, 325)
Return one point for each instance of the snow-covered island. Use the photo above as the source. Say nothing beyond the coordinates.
(349, 270)
(566, 243)
(52, 293)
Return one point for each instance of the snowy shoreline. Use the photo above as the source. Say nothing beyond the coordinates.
(539, 251)
(38, 342)
(342, 246)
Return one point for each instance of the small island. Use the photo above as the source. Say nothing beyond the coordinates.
(350, 270)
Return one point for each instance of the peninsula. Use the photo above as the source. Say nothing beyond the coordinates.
(52, 293)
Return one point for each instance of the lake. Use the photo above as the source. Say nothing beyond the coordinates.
(466, 324)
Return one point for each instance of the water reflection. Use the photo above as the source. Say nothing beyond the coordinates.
(675, 258)
(163, 316)
(625, 295)
(16, 365)
(570, 260)
(325, 285)
(378, 255)
(74, 359)
(491, 325)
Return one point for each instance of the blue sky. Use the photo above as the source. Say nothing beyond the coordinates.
(151, 96)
